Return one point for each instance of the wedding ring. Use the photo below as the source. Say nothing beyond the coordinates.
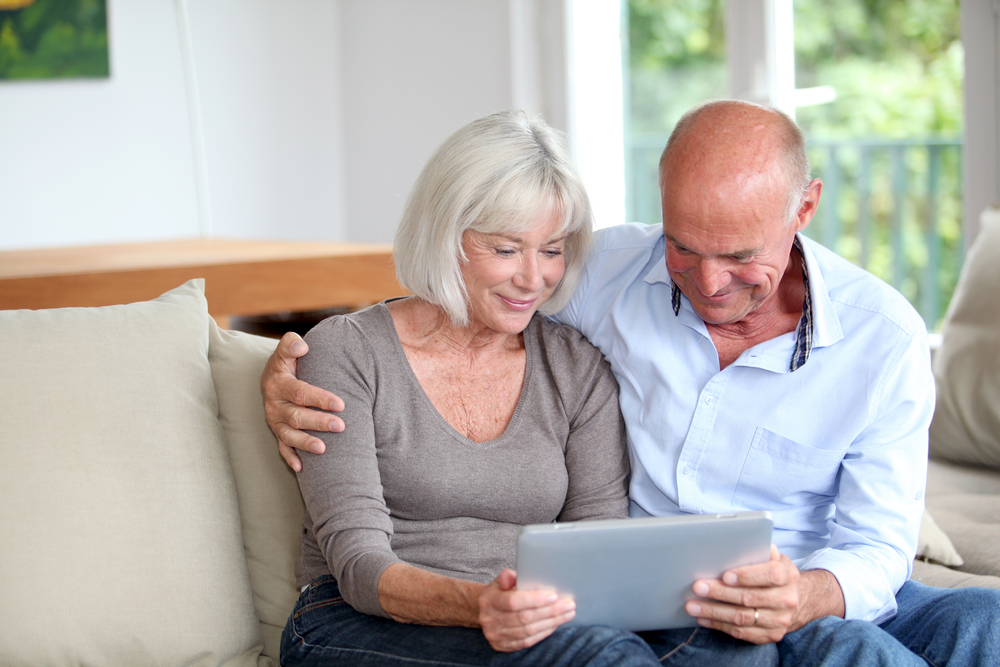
(756, 616)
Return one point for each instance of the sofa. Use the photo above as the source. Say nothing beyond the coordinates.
(963, 476)
(147, 519)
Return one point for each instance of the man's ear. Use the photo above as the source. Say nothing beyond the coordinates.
(809, 204)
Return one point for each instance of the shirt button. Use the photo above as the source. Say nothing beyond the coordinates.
(687, 470)
(709, 399)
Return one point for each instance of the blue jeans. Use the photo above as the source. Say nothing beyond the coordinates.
(324, 630)
(934, 626)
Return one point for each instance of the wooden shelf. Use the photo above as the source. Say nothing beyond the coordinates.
(242, 277)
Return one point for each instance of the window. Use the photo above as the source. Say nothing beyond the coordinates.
(877, 89)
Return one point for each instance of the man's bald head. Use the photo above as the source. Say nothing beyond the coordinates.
(743, 141)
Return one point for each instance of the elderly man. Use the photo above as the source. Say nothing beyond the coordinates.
(759, 371)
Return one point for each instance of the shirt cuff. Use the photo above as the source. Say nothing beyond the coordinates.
(868, 595)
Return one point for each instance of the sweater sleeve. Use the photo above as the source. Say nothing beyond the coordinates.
(342, 488)
(596, 458)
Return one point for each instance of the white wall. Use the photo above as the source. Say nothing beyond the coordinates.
(414, 72)
(114, 160)
(94, 161)
(304, 119)
(269, 82)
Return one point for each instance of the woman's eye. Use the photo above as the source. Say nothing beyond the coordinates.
(553, 253)
(505, 252)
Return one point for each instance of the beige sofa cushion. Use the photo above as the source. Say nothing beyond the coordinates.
(965, 502)
(270, 504)
(932, 574)
(966, 426)
(120, 529)
(934, 546)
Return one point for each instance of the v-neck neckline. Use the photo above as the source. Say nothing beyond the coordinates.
(530, 341)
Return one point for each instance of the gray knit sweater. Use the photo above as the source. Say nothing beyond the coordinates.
(400, 484)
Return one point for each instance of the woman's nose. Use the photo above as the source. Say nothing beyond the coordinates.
(529, 275)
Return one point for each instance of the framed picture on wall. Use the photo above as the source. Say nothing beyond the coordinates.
(53, 39)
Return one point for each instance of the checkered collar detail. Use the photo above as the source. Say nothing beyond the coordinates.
(804, 332)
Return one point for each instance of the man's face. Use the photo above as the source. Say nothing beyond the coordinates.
(727, 243)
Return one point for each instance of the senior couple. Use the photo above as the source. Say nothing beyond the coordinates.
(755, 370)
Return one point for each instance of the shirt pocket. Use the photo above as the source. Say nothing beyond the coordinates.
(780, 472)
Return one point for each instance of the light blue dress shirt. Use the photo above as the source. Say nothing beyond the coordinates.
(836, 450)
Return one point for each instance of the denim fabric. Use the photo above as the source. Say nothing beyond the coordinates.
(324, 630)
(934, 626)
(701, 647)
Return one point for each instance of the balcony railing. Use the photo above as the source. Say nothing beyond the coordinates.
(893, 207)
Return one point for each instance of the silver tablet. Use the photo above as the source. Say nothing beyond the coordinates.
(636, 574)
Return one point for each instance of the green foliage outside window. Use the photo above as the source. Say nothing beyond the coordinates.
(888, 148)
(677, 58)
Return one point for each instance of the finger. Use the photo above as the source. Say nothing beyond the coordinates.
(304, 419)
(779, 571)
(535, 632)
(524, 629)
(515, 601)
(278, 382)
(727, 614)
(286, 387)
(758, 626)
(290, 437)
(760, 574)
(291, 346)
(507, 580)
(291, 458)
(529, 616)
(770, 597)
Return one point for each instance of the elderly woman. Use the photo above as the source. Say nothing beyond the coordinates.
(469, 416)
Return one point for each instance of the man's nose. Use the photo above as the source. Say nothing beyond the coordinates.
(712, 277)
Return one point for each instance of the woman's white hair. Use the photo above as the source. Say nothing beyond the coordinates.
(501, 174)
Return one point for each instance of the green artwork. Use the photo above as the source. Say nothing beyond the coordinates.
(53, 39)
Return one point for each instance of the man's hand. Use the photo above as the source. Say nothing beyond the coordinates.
(512, 620)
(761, 603)
(286, 399)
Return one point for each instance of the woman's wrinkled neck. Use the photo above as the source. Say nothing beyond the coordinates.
(427, 326)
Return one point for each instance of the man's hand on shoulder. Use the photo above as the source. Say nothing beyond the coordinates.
(762, 603)
(287, 401)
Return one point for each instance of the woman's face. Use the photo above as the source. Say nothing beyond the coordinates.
(508, 276)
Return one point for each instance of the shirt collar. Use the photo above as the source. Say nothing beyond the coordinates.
(803, 333)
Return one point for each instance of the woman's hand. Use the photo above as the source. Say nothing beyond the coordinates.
(285, 401)
(512, 620)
